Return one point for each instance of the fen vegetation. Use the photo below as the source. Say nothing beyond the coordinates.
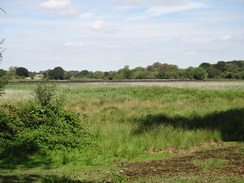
(83, 125)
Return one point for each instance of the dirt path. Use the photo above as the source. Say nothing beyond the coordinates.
(224, 164)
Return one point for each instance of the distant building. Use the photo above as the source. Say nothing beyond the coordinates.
(39, 75)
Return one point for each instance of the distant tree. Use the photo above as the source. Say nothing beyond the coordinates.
(143, 75)
(98, 75)
(2, 72)
(213, 72)
(68, 75)
(199, 73)
(167, 71)
(57, 73)
(112, 74)
(205, 65)
(90, 75)
(229, 75)
(12, 69)
(231, 67)
(119, 76)
(125, 73)
(221, 65)
(22, 71)
(156, 65)
(150, 68)
(84, 73)
(106, 74)
(162, 75)
(46, 73)
(163, 68)
(138, 69)
(189, 73)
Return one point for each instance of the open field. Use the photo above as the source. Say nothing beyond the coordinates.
(147, 132)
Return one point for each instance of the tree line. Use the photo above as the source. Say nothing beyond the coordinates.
(220, 70)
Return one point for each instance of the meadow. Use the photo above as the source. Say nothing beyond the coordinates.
(133, 122)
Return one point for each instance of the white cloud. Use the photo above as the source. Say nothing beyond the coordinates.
(63, 7)
(225, 38)
(162, 10)
(74, 44)
(124, 8)
(114, 46)
(52, 59)
(191, 53)
(86, 15)
(98, 25)
(136, 1)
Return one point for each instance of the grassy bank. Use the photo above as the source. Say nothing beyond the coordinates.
(137, 122)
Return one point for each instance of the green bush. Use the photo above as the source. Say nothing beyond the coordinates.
(42, 126)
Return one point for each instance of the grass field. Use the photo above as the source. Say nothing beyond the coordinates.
(138, 122)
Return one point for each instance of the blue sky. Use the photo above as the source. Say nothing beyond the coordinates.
(109, 34)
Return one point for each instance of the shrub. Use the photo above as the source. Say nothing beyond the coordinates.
(42, 126)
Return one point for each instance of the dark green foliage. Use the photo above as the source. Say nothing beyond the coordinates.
(162, 75)
(21, 71)
(227, 70)
(57, 73)
(2, 72)
(125, 73)
(199, 73)
(41, 126)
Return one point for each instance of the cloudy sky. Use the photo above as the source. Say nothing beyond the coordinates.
(109, 34)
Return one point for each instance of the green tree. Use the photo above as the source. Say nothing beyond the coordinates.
(2, 72)
(213, 72)
(162, 75)
(84, 73)
(199, 73)
(68, 75)
(112, 74)
(221, 65)
(205, 65)
(98, 75)
(57, 73)
(125, 73)
(12, 70)
(156, 65)
(22, 71)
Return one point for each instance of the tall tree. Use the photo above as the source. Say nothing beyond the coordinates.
(57, 73)
(22, 71)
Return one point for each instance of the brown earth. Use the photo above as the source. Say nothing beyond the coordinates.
(212, 164)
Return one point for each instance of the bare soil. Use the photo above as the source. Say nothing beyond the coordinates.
(196, 166)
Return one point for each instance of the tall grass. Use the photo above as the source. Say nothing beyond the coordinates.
(131, 120)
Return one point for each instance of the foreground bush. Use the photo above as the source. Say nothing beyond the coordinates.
(42, 126)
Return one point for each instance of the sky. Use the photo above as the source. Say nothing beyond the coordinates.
(106, 35)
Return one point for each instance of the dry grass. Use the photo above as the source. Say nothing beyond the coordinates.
(210, 85)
